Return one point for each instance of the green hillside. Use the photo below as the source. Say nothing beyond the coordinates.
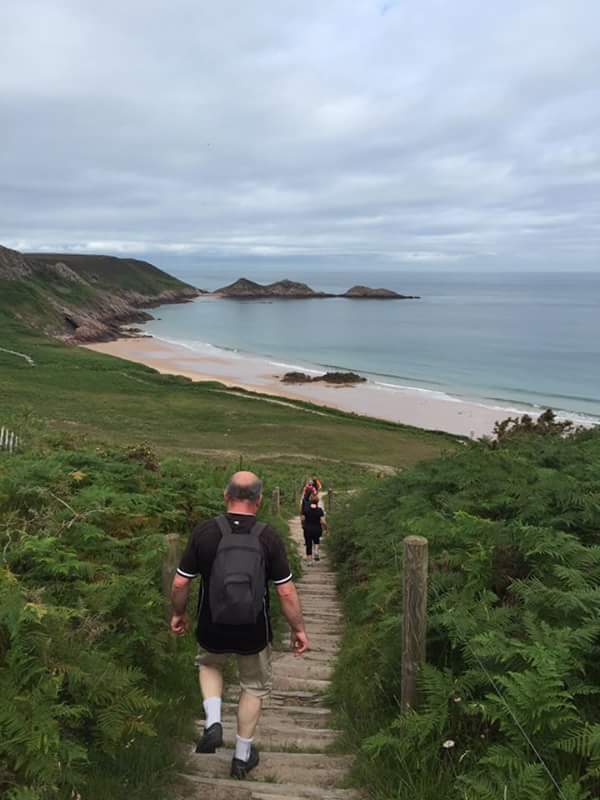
(110, 273)
(105, 399)
(509, 696)
(82, 297)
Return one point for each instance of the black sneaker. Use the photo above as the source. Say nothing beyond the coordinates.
(211, 739)
(239, 768)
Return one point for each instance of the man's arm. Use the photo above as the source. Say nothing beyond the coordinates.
(179, 597)
(292, 611)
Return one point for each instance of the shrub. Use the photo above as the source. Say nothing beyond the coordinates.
(509, 705)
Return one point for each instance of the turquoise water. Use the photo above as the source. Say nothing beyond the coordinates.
(530, 340)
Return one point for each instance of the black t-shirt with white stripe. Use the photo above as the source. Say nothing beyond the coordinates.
(197, 561)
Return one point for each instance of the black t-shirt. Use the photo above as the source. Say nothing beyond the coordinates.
(312, 517)
(197, 561)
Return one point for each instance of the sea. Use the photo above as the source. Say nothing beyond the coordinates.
(521, 341)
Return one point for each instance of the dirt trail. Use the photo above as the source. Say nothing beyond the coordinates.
(294, 736)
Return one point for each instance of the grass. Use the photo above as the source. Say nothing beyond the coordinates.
(109, 400)
(87, 402)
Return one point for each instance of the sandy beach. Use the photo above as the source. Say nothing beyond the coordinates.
(423, 409)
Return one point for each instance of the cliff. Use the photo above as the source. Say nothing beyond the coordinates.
(82, 298)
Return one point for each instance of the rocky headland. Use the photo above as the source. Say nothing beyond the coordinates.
(84, 298)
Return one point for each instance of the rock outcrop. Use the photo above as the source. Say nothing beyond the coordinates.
(84, 298)
(340, 378)
(366, 292)
(245, 289)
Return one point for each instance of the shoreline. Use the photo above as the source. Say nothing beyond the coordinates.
(405, 405)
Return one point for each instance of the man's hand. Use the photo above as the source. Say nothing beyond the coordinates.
(180, 624)
(299, 642)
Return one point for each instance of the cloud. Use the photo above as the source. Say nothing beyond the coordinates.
(440, 134)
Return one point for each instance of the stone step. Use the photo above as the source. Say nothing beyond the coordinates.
(333, 621)
(316, 628)
(311, 657)
(311, 769)
(322, 602)
(303, 668)
(280, 735)
(287, 684)
(304, 716)
(323, 643)
(228, 789)
(294, 697)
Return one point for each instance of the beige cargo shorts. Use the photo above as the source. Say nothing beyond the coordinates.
(255, 671)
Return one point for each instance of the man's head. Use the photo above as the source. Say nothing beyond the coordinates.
(243, 494)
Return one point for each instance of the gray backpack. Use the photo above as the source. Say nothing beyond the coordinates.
(238, 579)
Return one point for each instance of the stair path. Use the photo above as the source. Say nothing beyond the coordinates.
(294, 737)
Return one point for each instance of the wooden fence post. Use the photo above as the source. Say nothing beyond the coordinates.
(169, 567)
(330, 498)
(414, 611)
(276, 501)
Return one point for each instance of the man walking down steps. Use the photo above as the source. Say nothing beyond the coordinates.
(236, 557)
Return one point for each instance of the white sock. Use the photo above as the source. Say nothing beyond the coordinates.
(242, 748)
(212, 710)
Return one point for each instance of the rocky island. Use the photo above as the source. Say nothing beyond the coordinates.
(366, 292)
(340, 378)
(245, 289)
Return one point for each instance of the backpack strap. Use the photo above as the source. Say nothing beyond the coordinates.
(225, 527)
(258, 528)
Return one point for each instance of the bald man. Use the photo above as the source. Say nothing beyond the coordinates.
(250, 643)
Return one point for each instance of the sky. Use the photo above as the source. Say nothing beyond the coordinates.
(391, 134)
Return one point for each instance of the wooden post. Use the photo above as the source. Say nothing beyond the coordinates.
(414, 610)
(276, 501)
(169, 566)
(330, 498)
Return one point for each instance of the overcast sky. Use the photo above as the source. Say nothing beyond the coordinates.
(394, 133)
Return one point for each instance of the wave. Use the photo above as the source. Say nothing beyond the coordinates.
(524, 401)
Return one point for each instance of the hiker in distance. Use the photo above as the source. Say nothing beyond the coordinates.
(236, 557)
(313, 525)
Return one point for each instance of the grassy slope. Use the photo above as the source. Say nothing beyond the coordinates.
(81, 545)
(108, 272)
(111, 400)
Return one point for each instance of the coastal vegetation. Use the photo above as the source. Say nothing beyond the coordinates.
(509, 696)
(96, 694)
